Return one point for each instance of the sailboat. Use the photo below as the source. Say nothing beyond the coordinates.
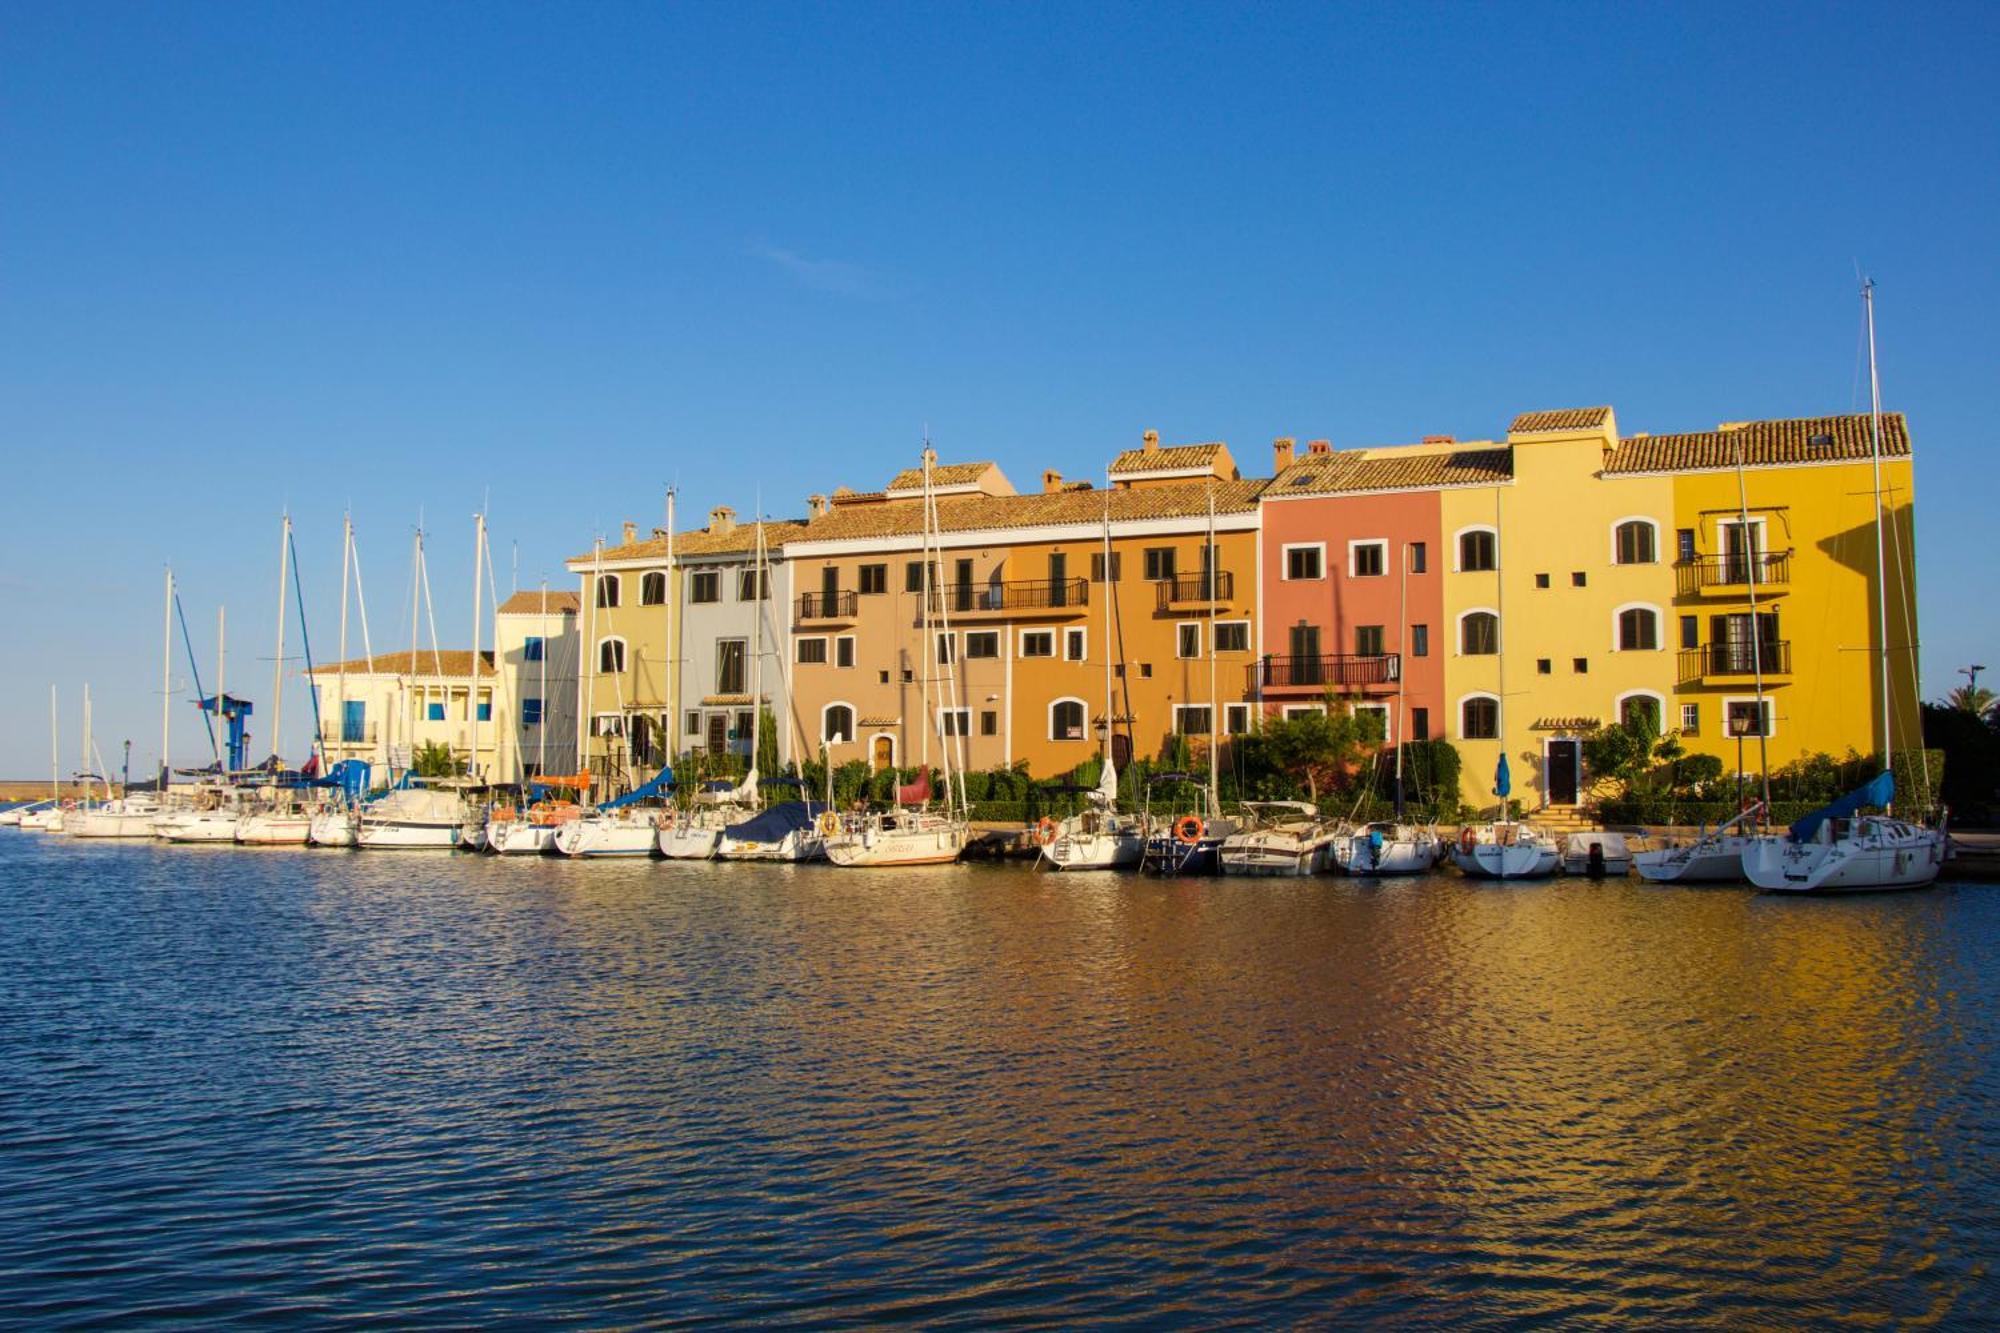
(532, 832)
(1284, 838)
(338, 822)
(1837, 849)
(280, 818)
(132, 815)
(1504, 849)
(1393, 846)
(217, 804)
(911, 833)
(1097, 837)
(48, 818)
(126, 816)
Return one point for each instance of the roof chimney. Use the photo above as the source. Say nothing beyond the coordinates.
(817, 506)
(1440, 439)
(1282, 449)
(722, 520)
(1051, 481)
(1319, 446)
(631, 532)
(1152, 438)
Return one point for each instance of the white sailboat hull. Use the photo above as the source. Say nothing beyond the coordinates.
(688, 842)
(391, 835)
(1615, 856)
(198, 826)
(798, 845)
(333, 828)
(1523, 853)
(102, 823)
(48, 820)
(520, 837)
(1882, 854)
(1269, 853)
(1115, 849)
(274, 830)
(607, 837)
(940, 844)
(1416, 855)
(1708, 861)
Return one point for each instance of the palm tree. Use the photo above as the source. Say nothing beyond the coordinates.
(1974, 699)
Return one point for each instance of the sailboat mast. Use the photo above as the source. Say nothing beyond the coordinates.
(1881, 559)
(221, 695)
(410, 691)
(1500, 607)
(671, 688)
(542, 692)
(1211, 576)
(478, 590)
(1752, 555)
(947, 752)
(1109, 583)
(756, 644)
(340, 671)
(55, 749)
(166, 680)
(278, 662)
(1402, 678)
(89, 743)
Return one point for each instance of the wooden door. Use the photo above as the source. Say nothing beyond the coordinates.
(885, 754)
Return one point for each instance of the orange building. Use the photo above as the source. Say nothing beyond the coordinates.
(1026, 613)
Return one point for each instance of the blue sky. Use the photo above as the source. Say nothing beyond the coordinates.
(553, 257)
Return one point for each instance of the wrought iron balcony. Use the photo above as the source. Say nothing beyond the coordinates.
(1709, 573)
(825, 606)
(1736, 661)
(1187, 589)
(1338, 671)
(341, 733)
(1035, 595)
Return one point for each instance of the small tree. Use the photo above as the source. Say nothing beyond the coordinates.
(434, 759)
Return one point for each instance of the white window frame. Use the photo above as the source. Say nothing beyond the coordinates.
(1618, 523)
(853, 722)
(1659, 700)
(1248, 645)
(1180, 709)
(963, 713)
(1084, 734)
(1285, 561)
(607, 724)
(1734, 519)
(1458, 632)
(1179, 626)
(798, 645)
(1290, 711)
(1458, 549)
(852, 655)
(1355, 544)
(1083, 637)
(1023, 645)
(999, 646)
(1458, 716)
(1236, 719)
(1770, 713)
(1659, 630)
(624, 655)
(617, 585)
(1388, 720)
(1691, 710)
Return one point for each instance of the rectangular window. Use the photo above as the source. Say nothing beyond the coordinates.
(1541, 580)
(955, 721)
(1690, 631)
(1038, 643)
(731, 657)
(1191, 719)
(1232, 636)
(705, 586)
(1367, 640)
(1580, 665)
(1368, 560)
(531, 649)
(531, 712)
(989, 722)
(1477, 550)
(1684, 543)
(1419, 558)
(744, 723)
(1073, 645)
(946, 643)
(434, 711)
(692, 723)
(1159, 563)
(1479, 719)
(486, 708)
(1235, 719)
(747, 586)
(1304, 563)
(1691, 719)
(1577, 579)
(982, 643)
(874, 579)
(1420, 640)
(811, 652)
(607, 724)
(1372, 721)
(1145, 671)
(1544, 665)
(1420, 724)
(913, 576)
(1742, 717)
(843, 651)
(1187, 639)
(1097, 567)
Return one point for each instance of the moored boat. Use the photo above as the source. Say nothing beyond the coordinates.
(1284, 838)
(1389, 848)
(1596, 853)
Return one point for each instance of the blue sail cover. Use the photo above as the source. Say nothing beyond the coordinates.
(773, 824)
(1503, 779)
(661, 781)
(1879, 792)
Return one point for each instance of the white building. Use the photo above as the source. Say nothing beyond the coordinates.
(536, 642)
(383, 709)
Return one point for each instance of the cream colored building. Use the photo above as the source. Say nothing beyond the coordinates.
(385, 708)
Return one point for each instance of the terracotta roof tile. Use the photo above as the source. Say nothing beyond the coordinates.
(447, 661)
(978, 513)
(529, 602)
(739, 540)
(1329, 474)
(1563, 418)
(1173, 456)
(1763, 444)
(942, 474)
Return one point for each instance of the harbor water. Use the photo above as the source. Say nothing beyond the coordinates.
(309, 1086)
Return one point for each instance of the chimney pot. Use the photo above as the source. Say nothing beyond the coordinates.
(1440, 439)
(1319, 446)
(1282, 451)
(816, 505)
(1152, 439)
(1051, 481)
(722, 520)
(631, 532)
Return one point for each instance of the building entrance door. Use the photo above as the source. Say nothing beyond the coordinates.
(885, 753)
(1564, 758)
(718, 733)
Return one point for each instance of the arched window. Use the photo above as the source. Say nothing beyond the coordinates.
(836, 724)
(1479, 718)
(1478, 548)
(1479, 633)
(611, 657)
(1642, 706)
(653, 589)
(1635, 541)
(1068, 721)
(1638, 629)
(607, 590)
(642, 740)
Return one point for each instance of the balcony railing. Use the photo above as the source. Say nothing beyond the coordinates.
(826, 606)
(1027, 595)
(340, 733)
(1339, 671)
(1704, 572)
(1736, 660)
(1208, 586)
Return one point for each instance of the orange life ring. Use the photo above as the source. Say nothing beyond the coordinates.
(1045, 830)
(1188, 829)
(1467, 840)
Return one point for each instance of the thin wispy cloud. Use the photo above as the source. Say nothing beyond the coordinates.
(822, 275)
